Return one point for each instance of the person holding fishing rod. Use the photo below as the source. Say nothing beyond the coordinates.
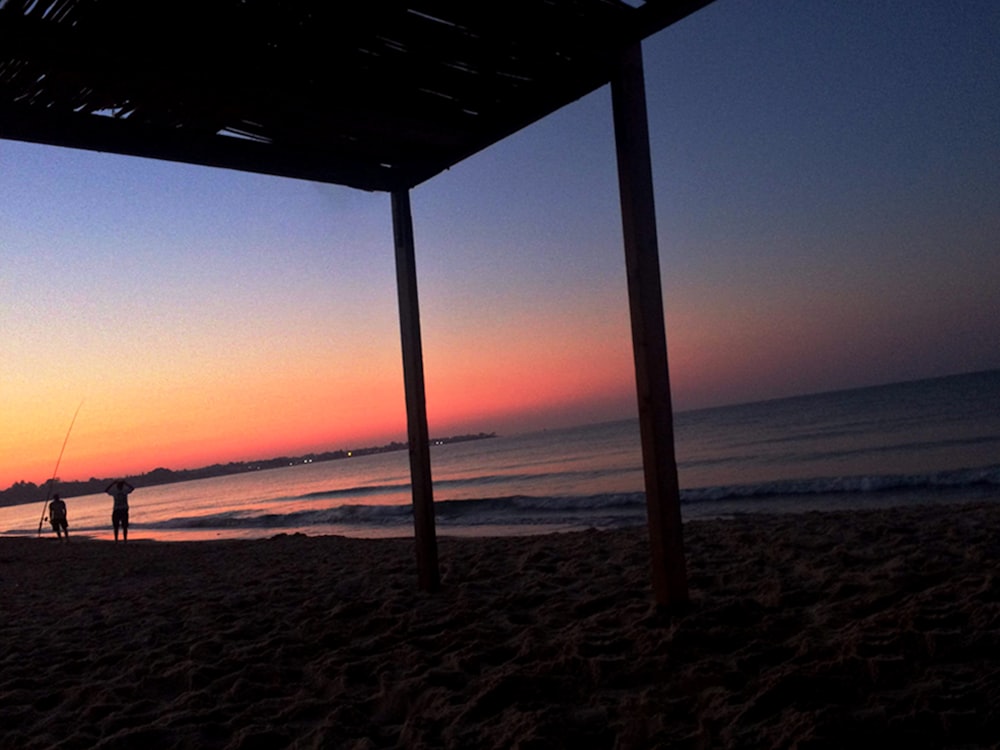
(46, 505)
(57, 517)
(119, 514)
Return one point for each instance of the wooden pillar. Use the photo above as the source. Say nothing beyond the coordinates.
(649, 344)
(416, 405)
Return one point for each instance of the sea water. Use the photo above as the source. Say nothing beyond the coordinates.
(934, 440)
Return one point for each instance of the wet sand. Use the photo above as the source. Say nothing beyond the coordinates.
(823, 630)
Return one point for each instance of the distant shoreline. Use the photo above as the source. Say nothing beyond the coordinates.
(29, 492)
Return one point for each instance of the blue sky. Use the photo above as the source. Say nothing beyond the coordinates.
(827, 183)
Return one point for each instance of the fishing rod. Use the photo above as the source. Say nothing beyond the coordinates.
(55, 471)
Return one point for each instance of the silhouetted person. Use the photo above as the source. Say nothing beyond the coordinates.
(119, 514)
(57, 516)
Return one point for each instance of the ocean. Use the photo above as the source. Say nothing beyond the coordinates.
(927, 441)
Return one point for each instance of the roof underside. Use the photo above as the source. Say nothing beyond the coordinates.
(374, 94)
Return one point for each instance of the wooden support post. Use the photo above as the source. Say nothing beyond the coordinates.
(649, 343)
(416, 405)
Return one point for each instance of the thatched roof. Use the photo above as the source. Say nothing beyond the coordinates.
(374, 94)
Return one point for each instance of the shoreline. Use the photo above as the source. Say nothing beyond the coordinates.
(823, 629)
(82, 526)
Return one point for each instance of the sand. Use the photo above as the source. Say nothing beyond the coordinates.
(804, 631)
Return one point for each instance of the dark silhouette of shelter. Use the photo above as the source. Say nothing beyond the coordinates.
(377, 95)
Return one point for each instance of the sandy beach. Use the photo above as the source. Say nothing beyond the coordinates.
(824, 630)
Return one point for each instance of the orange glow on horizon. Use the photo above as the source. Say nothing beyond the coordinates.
(202, 424)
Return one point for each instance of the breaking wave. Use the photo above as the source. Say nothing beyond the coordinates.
(604, 510)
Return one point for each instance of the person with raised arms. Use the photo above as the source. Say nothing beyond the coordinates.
(119, 490)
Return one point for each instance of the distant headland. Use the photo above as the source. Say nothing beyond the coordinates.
(29, 492)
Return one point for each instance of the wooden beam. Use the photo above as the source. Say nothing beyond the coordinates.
(658, 14)
(649, 341)
(107, 134)
(416, 405)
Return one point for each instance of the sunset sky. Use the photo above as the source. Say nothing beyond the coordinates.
(828, 205)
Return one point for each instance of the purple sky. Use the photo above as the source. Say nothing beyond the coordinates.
(828, 204)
